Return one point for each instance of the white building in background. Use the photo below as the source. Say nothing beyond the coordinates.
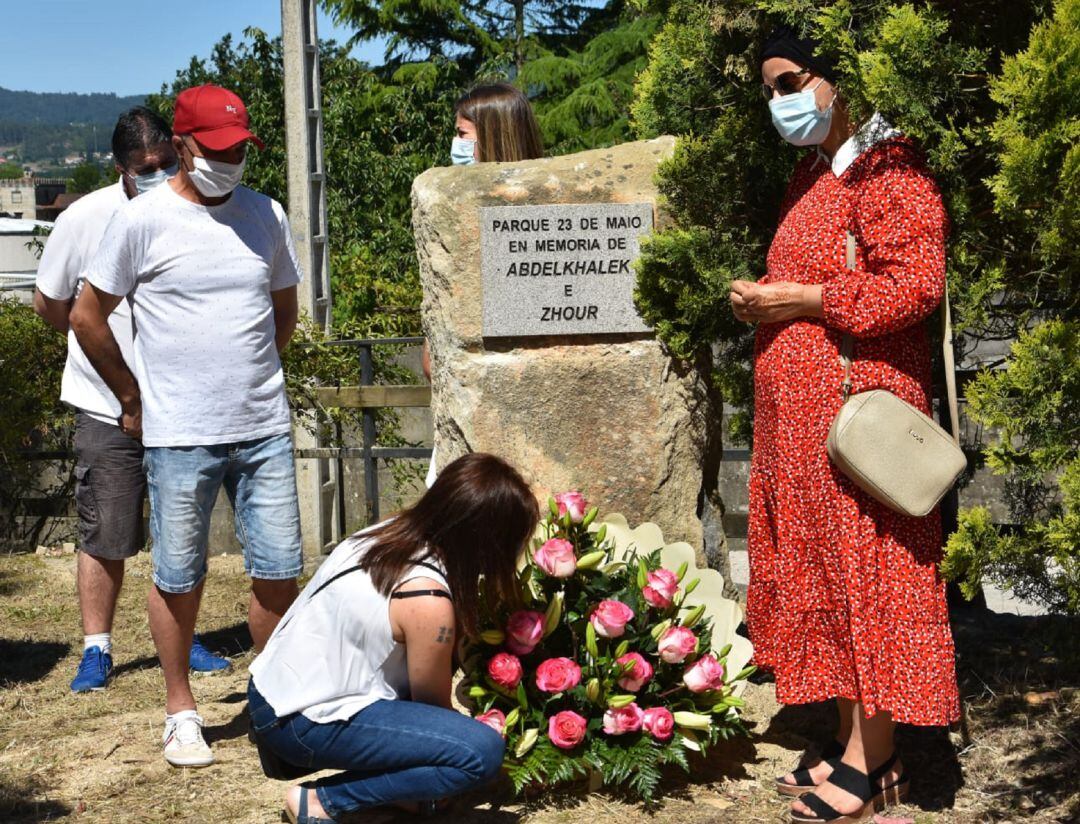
(18, 198)
(33, 198)
(20, 241)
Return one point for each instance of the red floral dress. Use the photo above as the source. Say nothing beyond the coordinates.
(845, 599)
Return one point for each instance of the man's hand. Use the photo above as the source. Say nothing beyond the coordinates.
(774, 302)
(131, 418)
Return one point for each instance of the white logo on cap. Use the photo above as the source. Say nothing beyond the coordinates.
(230, 108)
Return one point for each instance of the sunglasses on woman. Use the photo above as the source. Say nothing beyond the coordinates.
(786, 83)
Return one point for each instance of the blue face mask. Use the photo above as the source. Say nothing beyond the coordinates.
(144, 183)
(462, 151)
(799, 120)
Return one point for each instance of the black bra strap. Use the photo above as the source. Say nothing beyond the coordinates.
(432, 567)
(333, 578)
(416, 593)
(355, 567)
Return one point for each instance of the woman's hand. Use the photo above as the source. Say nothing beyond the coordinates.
(774, 302)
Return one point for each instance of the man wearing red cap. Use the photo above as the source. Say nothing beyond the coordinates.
(210, 271)
(110, 483)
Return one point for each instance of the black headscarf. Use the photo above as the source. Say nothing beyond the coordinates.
(784, 42)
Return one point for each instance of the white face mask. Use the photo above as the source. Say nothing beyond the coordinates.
(214, 178)
(462, 151)
(144, 183)
(799, 120)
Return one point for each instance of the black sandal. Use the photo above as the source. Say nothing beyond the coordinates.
(302, 816)
(831, 754)
(862, 786)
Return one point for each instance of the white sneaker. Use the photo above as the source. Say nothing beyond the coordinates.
(184, 743)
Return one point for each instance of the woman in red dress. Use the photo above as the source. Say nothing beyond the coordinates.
(845, 600)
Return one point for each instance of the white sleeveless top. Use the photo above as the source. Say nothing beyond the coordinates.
(333, 653)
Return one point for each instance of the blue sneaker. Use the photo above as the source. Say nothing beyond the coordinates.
(94, 671)
(202, 660)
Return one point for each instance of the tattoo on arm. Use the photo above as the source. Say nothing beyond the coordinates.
(446, 635)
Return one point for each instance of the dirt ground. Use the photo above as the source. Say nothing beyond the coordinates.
(97, 757)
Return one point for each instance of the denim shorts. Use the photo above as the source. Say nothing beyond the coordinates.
(260, 479)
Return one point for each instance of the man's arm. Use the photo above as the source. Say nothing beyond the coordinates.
(285, 315)
(90, 322)
(54, 312)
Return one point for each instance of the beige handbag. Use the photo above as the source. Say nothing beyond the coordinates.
(888, 448)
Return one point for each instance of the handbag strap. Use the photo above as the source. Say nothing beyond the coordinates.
(847, 343)
(847, 350)
(950, 365)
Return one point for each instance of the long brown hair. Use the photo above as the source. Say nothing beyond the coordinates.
(475, 519)
(506, 128)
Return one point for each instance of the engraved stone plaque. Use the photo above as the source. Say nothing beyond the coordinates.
(562, 269)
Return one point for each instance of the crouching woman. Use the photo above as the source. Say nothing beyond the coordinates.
(356, 677)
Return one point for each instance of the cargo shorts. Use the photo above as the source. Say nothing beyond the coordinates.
(110, 487)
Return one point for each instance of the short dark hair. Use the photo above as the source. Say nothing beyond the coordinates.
(137, 129)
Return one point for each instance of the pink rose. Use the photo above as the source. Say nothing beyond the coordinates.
(636, 677)
(494, 719)
(566, 729)
(556, 557)
(623, 720)
(557, 675)
(505, 670)
(704, 674)
(610, 618)
(659, 722)
(524, 631)
(572, 502)
(676, 644)
(661, 588)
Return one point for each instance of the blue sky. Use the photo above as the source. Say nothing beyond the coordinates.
(128, 46)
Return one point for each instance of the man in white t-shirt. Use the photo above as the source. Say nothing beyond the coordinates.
(109, 482)
(211, 273)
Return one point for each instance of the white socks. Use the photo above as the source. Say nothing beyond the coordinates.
(177, 717)
(101, 639)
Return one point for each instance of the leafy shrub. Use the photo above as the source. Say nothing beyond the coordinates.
(1033, 406)
(32, 357)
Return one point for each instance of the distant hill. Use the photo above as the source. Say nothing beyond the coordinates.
(62, 108)
(44, 128)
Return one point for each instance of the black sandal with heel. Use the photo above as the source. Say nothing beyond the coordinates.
(831, 754)
(862, 786)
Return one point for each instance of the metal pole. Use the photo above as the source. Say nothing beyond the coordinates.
(339, 469)
(371, 469)
(318, 480)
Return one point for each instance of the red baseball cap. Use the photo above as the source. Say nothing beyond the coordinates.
(215, 117)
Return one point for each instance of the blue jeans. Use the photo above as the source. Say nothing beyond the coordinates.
(390, 751)
(260, 479)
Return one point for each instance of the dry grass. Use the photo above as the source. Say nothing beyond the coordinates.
(97, 757)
